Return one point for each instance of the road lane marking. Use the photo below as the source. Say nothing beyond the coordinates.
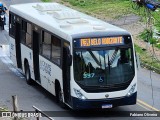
(145, 105)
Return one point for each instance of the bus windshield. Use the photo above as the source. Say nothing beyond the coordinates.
(103, 67)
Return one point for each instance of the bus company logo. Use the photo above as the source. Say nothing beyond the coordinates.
(6, 114)
(45, 67)
(12, 47)
(20, 114)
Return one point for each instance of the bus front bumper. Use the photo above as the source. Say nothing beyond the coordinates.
(103, 103)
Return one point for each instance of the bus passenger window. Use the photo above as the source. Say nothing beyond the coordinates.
(46, 45)
(56, 50)
(28, 35)
(23, 31)
(12, 24)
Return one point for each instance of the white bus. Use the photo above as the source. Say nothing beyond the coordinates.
(85, 62)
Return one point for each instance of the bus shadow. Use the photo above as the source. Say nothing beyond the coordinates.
(44, 92)
(67, 112)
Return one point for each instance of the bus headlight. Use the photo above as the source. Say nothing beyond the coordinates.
(79, 94)
(131, 91)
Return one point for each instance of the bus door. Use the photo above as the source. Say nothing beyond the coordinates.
(36, 39)
(66, 73)
(17, 42)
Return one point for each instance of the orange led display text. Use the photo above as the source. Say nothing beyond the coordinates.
(100, 41)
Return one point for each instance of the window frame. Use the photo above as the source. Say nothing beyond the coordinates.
(58, 45)
(12, 21)
(24, 33)
(61, 46)
(42, 44)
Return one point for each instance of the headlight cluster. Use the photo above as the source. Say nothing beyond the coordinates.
(79, 94)
(131, 91)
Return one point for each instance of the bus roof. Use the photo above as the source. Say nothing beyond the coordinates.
(64, 21)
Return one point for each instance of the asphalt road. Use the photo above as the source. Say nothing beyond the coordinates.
(13, 82)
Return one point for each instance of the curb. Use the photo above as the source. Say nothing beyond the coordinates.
(150, 67)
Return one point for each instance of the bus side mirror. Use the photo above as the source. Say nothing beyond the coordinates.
(138, 62)
(69, 57)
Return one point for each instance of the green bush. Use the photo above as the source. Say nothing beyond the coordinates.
(46, 0)
(147, 36)
(147, 58)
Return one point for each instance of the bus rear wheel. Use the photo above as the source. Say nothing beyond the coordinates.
(27, 75)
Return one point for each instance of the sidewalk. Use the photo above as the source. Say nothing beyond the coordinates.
(3, 67)
(4, 37)
(4, 40)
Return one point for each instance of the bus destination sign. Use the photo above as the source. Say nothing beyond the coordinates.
(99, 42)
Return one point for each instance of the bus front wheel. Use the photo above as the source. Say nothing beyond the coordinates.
(27, 74)
(60, 97)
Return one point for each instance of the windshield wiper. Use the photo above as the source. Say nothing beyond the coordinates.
(113, 57)
(109, 64)
(94, 57)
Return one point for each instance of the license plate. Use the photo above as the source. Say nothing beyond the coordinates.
(107, 106)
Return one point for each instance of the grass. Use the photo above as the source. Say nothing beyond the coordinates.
(147, 59)
(104, 8)
(46, 0)
(3, 109)
(156, 17)
(147, 36)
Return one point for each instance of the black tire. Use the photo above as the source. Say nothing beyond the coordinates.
(27, 75)
(59, 97)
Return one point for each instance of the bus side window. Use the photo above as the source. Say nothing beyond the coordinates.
(46, 45)
(26, 34)
(29, 35)
(23, 31)
(56, 50)
(12, 24)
